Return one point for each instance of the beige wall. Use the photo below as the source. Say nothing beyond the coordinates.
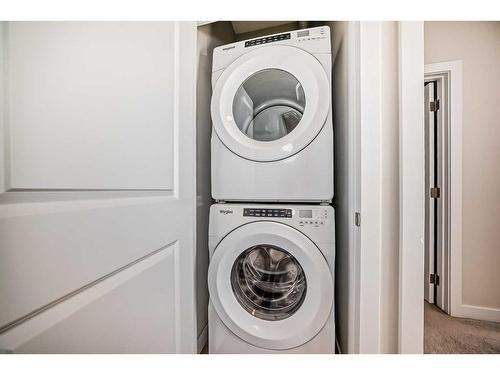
(477, 44)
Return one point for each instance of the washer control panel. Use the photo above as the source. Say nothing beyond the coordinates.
(314, 34)
(312, 217)
(304, 217)
(267, 212)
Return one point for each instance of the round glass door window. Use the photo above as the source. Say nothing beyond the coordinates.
(268, 282)
(269, 105)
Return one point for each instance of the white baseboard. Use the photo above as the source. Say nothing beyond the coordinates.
(202, 339)
(478, 312)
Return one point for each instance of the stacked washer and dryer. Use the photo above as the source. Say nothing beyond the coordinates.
(272, 230)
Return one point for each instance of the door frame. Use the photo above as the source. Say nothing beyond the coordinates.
(411, 187)
(446, 210)
(412, 180)
(432, 179)
(451, 76)
(369, 334)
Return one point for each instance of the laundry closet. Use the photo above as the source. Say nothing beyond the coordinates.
(295, 190)
(106, 150)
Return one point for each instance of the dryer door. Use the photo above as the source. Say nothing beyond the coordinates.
(270, 103)
(270, 285)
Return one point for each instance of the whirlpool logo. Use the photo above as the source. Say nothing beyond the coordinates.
(226, 212)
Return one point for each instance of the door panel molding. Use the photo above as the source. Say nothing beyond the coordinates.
(78, 247)
(38, 203)
(90, 105)
(28, 327)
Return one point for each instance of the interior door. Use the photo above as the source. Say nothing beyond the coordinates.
(430, 203)
(98, 181)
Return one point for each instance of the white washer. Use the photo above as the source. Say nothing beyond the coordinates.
(271, 279)
(272, 135)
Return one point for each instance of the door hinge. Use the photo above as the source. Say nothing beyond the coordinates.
(434, 279)
(434, 106)
(435, 192)
(357, 219)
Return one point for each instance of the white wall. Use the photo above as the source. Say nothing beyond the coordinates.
(477, 44)
(209, 37)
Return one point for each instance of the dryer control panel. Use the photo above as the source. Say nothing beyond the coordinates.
(313, 40)
(267, 39)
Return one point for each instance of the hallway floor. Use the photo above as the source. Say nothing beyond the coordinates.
(444, 334)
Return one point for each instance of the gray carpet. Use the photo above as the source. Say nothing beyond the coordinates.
(446, 335)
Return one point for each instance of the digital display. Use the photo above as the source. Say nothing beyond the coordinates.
(302, 33)
(306, 214)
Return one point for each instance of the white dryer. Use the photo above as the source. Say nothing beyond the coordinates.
(271, 279)
(272, 135)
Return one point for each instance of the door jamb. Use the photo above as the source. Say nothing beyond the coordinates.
(411, 187)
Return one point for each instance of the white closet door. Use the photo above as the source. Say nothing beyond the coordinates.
(98, 179)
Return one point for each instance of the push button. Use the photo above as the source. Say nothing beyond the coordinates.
(268, 212)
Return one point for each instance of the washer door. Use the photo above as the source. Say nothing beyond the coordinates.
(270, 285)
(270, 103)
